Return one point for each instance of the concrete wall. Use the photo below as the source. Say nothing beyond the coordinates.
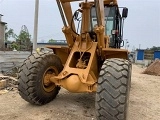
(2, 35)
(143, 62)
(10, 59)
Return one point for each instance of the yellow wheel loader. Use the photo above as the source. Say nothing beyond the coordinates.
(92, 61)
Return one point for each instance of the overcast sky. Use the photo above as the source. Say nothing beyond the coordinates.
(142, 27)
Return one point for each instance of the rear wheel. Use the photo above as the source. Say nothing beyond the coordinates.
(34, 78)
(112, 95)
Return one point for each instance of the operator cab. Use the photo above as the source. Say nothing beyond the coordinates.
(113, 24)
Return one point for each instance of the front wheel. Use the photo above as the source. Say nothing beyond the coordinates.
(34, 78)
(112, 96)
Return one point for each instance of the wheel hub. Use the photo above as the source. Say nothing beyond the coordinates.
(49, 86)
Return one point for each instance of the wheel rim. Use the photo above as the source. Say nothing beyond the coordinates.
(49, 86)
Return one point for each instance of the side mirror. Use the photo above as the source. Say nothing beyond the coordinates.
(125, 12)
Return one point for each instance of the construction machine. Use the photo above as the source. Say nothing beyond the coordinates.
(92, 61)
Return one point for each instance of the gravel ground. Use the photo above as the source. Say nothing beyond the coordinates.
(144, 103)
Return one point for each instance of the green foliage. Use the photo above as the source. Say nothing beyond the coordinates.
(23, 36)
(23, 40)
(51, 41)
(14, 45)
(154, 48)
(8, 33)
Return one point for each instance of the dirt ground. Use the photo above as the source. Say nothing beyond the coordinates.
(144, 103)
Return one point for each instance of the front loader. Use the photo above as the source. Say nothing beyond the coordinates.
(92, 61)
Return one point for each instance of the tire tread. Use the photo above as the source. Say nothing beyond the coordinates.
(112, 91)
(27, 76)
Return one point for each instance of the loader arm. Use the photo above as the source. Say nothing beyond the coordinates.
(65, 10)
(88, 49)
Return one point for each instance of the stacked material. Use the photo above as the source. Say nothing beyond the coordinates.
(153, 69)
(7, 84)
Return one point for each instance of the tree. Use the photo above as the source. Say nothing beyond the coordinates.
(51, 41)
(154, 48)
(24, 39)
(14, 45)
(8, 33)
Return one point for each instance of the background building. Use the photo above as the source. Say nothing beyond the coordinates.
(2, 33)
(145, 57)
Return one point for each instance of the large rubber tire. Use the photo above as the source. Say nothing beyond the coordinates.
(30, 77)
(112, 96)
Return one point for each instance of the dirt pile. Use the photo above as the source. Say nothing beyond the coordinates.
(153, 69)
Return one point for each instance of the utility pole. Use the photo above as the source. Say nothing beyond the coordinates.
(126, 43)
(35, 25)
(139, 46)
(133, 49)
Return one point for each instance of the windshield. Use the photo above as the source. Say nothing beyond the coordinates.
(109, 19)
